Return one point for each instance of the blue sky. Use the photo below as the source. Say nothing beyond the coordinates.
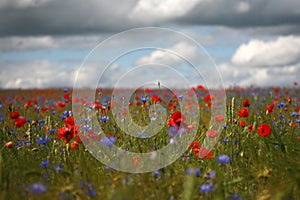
(43, 43)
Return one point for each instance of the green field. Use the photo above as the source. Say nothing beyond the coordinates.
(38, 161)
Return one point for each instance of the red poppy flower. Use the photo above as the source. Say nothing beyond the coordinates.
(67, 97)
(242, 123)
(20, 122)
(212, 133)
(135, 160)
(289, 99)
(201, 88)
(203, 153)
(219, 118)
(295, 83)
(176, 119)
(65, 134)
(70, 121)
(243, 112)
(264, 130)
(74, 145)
(207, 98)
(9, 144)
(250, 128)
(69, 130)
(155, 99)
(194, 144)
(246, 103)
(270, 108)
(60, 104)
(14, 115)
(28, 104)
(44, 109)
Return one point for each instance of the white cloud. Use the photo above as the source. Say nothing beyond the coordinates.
(169, 56)
(279, 52)
(35, 74)
(242, 7)
(154, 10)
(22, 3)
(26, 43)
(264, 63)
(23, 43)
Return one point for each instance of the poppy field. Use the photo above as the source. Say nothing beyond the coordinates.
(256, 156)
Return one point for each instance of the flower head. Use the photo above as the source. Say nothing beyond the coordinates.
(223, 159)
(176, 119)
(206, 188)
(243, 112)
(44, 163)
(264, 130)
(246, 103)
(37, 188)
(14, 115)
(269, 108)
(108, 141)
(20, 122)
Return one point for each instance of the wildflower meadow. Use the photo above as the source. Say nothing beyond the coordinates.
(43, 152)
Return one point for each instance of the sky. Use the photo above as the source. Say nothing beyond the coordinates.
(54, 43)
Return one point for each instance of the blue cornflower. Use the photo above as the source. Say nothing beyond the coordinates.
(65, 90)
(58, 167)
(281, 105)
(0, 106)
(156, 173)
(63, 118)
(181, 131)
(108, 141)
(298, 121)
(191, 171)
(53, 112)
(173, 131)
(44, 163)
(294, 114)
(86, 127)
(1, 119)
(206, 188)
(210, 175)
(41, 121)
(67, 113)
(52, 130)
(86, 120)
(37, 188)
(104, 118)
(42, 141)
(197, 172)
(281, 116)
(223, 159)
(225, 140)
(91, 192)
(180, 96)
(225, 127)
(143, 99)
(22, 143)
(235, 197)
